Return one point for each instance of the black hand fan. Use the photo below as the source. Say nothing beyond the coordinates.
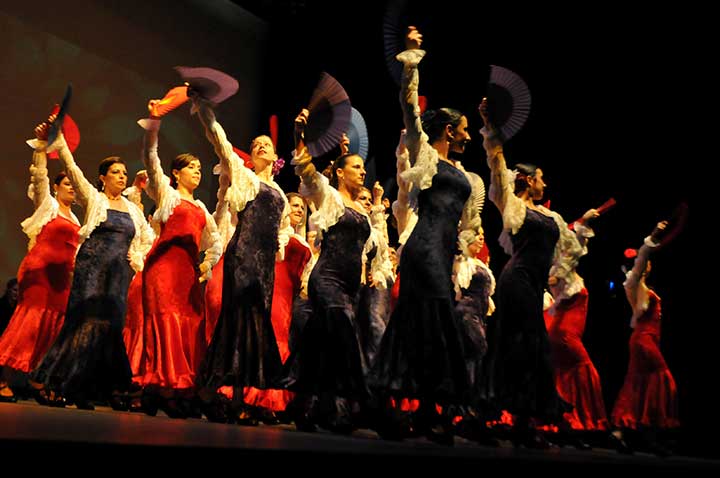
(55, 126)
(508, 101)
(329, 117)
(676, 224)
(358, 135)
(213, 85)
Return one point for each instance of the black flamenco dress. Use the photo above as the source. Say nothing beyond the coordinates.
(88, 358)
(421, 353)
(243, 350)
(521, 377)
(329, 364)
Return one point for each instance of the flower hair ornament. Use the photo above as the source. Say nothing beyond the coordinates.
(629, 255)
(277, 166)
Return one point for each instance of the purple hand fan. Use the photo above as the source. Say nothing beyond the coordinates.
(395, 25)
(213, 85)
(508, 101)
(329, 117)
(358, 135)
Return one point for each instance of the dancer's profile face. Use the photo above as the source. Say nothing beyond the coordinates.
(537, 185)
(352, 174)
(64, 192)
(460, 136)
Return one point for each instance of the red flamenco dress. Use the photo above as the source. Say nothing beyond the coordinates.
(649, 395)
(44, 280)
(288, 281)
(172, 299)
(44, 277)
(172, 302)
(576, 378)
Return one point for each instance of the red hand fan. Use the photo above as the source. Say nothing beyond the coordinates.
(173, 98)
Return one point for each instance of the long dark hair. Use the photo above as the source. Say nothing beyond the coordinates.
(434, 122)
(525, 170)
(180, 161)
(105, 167)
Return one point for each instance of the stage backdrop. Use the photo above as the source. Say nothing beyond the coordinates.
(117, 55)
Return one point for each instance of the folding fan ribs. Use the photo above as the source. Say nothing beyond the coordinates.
(508, 101)
(358, 135)
(394, 30)
(478, 191)
(329, 117)
(213, 85)
(173, 98)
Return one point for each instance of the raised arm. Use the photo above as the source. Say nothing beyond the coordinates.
(39, 183)
(635, 288)
(157, 183)
(583, 231)
(84, 191)
(378, 219)
(244, 184)
(312, 186)
(415, 139)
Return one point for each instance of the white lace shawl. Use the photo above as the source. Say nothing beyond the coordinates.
(636, 291)
(329, 208)
(96, 205)
(168, 198)
(244, 184)
(403, 209)
(568, 251)
(46, 206)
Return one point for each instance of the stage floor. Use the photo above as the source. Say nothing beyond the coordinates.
(125, 441)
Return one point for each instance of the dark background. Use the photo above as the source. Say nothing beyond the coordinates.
(604, 83)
